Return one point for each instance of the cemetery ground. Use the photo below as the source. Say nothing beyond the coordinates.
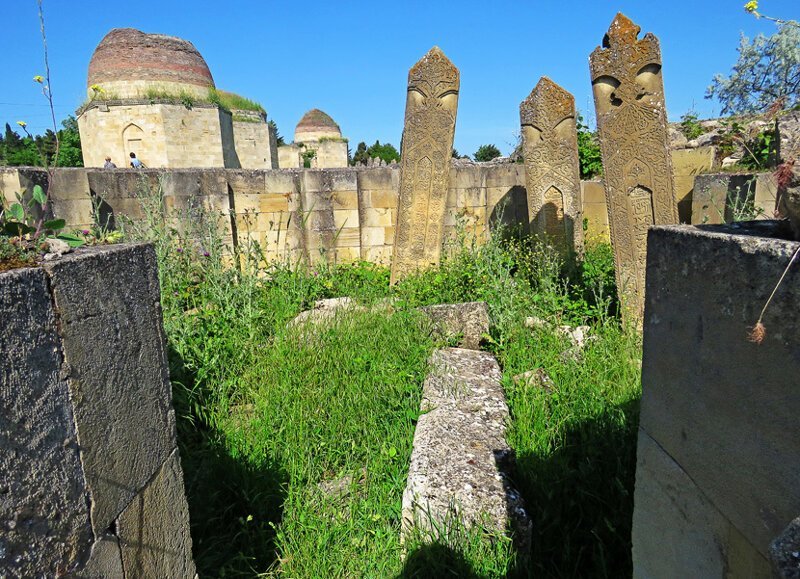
(295, 442)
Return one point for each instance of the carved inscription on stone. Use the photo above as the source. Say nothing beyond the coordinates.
(427, 146)
(632, 125)
(552, 174)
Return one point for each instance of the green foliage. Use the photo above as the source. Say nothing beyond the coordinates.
(39, 150)
(360, 156)
(385, 151)
(232, 101)
(766, 74)
(24, 224)
(731, 133)
(690, 126)
(761, 151)
(589, 157)
(487, 153)
(279, 139)
(13, 254)
(307, 156)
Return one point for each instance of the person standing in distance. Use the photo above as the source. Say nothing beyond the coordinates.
(136, 163)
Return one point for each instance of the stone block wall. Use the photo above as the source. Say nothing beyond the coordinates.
(718, 457)
(725, 197)
(91, 477)
(595, 212)
(686, 165)
(289, 157)
(252, 141)
(161, 134)
(320, 214)
(328, 153)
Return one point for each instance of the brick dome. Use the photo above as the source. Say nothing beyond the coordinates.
(314, 125)
(128, 61)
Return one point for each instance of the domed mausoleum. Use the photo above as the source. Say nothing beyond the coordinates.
(316, 125)
(154, 95)
(318, 143)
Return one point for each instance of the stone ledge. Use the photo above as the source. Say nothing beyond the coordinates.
(460, 458)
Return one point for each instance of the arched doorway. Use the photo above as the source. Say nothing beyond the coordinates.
(133, 141)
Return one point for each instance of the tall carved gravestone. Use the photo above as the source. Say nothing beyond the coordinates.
(632, 125)
(552, 171)
(430, 123)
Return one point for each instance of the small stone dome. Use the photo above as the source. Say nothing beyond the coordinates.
(128, 62)
(314, 125)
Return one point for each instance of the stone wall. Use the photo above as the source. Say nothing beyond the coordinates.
(289, 157)
(251, 136)
(726, 197)
(718, 458)
(328, 153)
(344, 214)
(719, 132)
(161, 135)
(91, 477)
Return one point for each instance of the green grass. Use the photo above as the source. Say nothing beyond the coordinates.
(232, 101)
(268, 415)
(225, 100)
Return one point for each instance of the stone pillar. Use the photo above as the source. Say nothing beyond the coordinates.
(552, 171)
(89, 463)
(430, 123)
(632, 124)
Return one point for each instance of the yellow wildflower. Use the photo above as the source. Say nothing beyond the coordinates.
(751, 6)
(22, 124)
(38, 78)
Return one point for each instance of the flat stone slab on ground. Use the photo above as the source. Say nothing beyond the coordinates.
(470, 320)
(460, 453)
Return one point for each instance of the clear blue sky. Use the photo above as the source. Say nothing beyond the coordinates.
(351, 59)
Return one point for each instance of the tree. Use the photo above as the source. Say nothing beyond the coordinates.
(766, 74)
(70, 154)
(360, 155)
(487, 153)
(16, 151)
(278, 137)
(589, 157)
(385, 151)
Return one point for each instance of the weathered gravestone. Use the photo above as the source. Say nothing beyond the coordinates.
(552, 171)
(632, 125)
(430, 123)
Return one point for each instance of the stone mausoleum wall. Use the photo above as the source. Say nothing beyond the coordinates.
(91, 479)
(161, 135)
(718, 453)
(253, 141)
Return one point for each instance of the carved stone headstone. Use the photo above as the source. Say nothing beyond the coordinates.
(552, 171)
(430, 123)
(632, 125)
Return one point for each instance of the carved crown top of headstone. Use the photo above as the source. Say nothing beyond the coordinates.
(546, 106)
(623, 56)
(434, 75)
